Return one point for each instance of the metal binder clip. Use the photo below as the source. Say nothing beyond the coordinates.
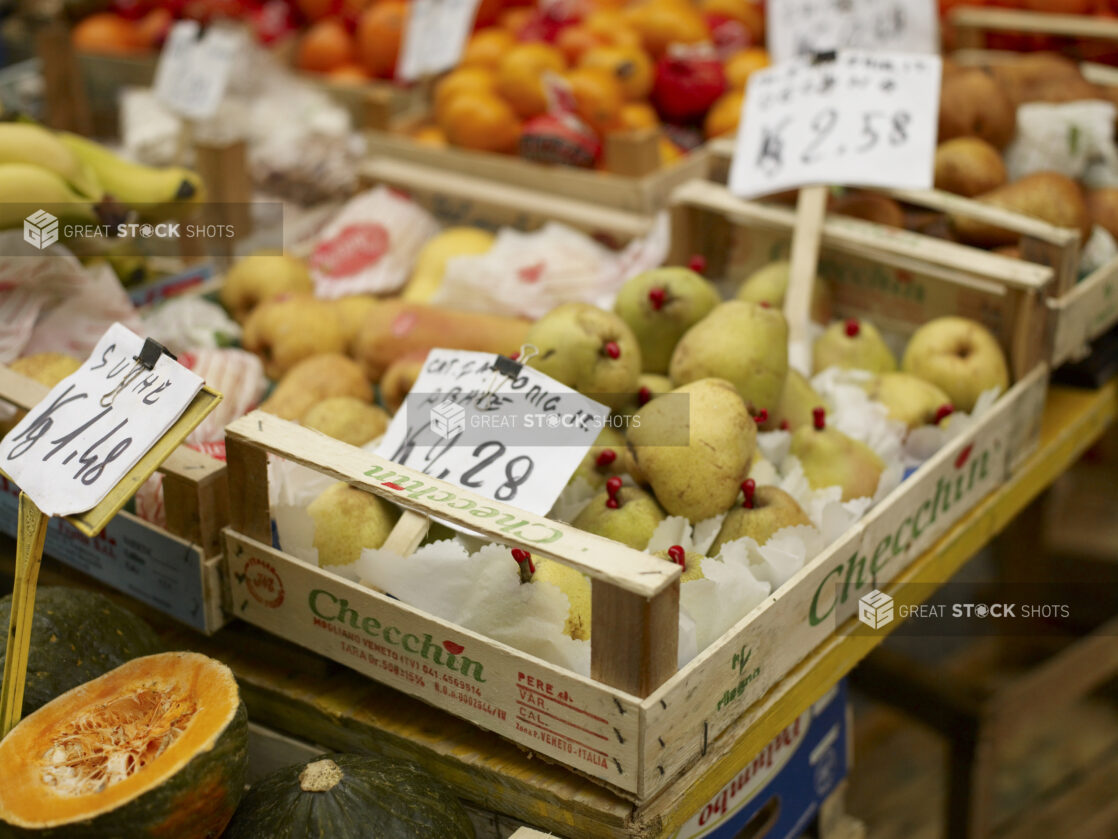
(510, 368)
(823, 57)
(149, 355)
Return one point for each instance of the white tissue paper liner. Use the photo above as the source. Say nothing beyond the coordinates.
(1075, 139)
(476, 584)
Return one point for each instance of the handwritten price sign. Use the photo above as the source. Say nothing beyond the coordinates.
(804, 28)
(194, 71)
(434, 36)
(506, 432)
(865, 119)
(73, 447)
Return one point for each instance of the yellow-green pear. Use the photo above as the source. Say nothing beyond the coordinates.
(576, 586)
(743, 343)
(588, 349)
(797, 401)
(910, 399)
(769, 284)
(430, 264)
(348, 520)
(853, 344)
(831, 458)
(763, 511)
(262, 276)
(691, 561)
(694, 447)
(626, 514)
(958, 355)
(606, 457)
(348, 419)
(659, 306)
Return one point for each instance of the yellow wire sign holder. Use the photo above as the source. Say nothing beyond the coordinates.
(32, 534)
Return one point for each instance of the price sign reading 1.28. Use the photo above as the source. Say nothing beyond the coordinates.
(863, 118)
(79, 442)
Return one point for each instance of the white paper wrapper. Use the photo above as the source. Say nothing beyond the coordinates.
(190, 323)
(529, 274)
(481, 592)
(1072, 138)
(1097, 252)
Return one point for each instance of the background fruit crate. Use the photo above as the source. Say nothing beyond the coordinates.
(637, 723)
(1076, 311)
(634, 182)
(176, 569)
(1087, 37)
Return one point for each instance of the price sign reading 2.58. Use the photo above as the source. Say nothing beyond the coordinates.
(73, 447)
(863, 118)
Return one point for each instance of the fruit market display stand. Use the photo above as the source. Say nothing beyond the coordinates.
(313, 699)
(176, 568)
(971, 25)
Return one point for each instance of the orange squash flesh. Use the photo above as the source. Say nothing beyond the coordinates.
(155, 747)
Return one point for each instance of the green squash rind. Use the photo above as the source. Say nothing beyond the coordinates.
(91, 636)
(376, 799)
(197, 802)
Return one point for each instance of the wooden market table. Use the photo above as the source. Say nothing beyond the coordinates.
(313, 699)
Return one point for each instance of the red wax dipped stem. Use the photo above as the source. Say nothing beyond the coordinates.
(784, 426)
(678, 555)
(524, 560)
(613, 486)
(943, 412)
(656, 298)
(819, 418)
(698, 263)
(644, 395)
(612, 349)
(853, 327)
(605, 458)
(748, 487)
(761, 416)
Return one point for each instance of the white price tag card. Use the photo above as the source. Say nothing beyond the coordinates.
(506, 432)
(79, 442)
(194, 72)
(804, 28)
(862, 119)
(434, 36)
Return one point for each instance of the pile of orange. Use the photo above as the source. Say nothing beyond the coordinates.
(358, 41)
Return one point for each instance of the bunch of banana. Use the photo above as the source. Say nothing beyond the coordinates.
(68, 176)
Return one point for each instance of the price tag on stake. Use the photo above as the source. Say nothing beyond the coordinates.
(434, 36)
(865, 119)
(503, 430)
(194, 72)
(799, 29)
(72, 448)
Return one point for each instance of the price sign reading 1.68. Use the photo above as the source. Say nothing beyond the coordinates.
(863, 118)
(73, 447)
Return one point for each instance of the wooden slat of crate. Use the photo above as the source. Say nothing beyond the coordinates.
(972, 23)
(643, 195)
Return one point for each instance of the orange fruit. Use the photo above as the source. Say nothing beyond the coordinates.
(575, 41)
(515, 18)
(482, 121)
(612, 26)
(487, 13)
(464, 79)
(352, 73)
(598, 98)
(153, 27)
(379, 32)
(107, 33)
(520, 76)
(487, 47)
(430, 135)
(631, 66)
(326, 46)
(745, 12)
(637, 115)
(661, 23)
(316, 9)
(741, 65)
(724, 115)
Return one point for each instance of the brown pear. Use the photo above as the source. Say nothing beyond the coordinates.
(1047, 196)
(968, 166)
(313, 380)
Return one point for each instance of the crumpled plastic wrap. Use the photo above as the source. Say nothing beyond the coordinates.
(529, 274)
(190, 323)
(1075, 139)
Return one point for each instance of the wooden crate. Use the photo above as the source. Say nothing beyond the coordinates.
(637, 723)
(177, 569)
(1076, 311)
(971, 25)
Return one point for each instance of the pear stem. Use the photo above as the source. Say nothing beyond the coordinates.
(613, 486)
(612, 349)
(944, 411)
(697, 263)
(853, 327)
(656, 297)
(761, 416)
(678, 555)
(524, 560)
(819, 418)
(748, 487)
(644, 395)
(605, 458)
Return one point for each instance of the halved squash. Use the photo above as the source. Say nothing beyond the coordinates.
(154, 748)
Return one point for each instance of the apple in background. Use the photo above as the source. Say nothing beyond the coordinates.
(958, 355)
(687, 83)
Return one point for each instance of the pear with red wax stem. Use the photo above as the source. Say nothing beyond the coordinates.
(574, 584)
(588, 349)
(769, 284)
(689, 561)
(625, 514)
(659, 306)
(606, 457)
(694, 451)
(743, 343)
(910, 399)
(797, 401)
(831, 458)
(958, 355)
(764, 510)
(853, 343)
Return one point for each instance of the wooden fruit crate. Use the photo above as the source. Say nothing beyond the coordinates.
(972, 25)
(1076, 311)
(637, 723)
(176, 569)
